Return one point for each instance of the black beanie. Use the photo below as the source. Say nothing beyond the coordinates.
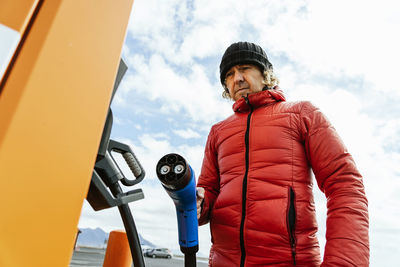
(243, 53)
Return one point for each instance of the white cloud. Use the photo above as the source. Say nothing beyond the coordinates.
(159, 24)
(123, 121)
(190, 94)
(355, 37)
(152, 17)
(201, 42)
(187, 134)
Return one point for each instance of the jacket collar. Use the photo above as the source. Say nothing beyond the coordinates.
(259, 99)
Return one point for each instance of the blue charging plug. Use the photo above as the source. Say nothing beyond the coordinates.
(178, 179)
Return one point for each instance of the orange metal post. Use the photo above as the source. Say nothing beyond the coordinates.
(16, 14)
(14, 19)
(53, 105)
(118, 253)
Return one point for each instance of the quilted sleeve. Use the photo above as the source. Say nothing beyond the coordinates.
(347, 241)
(209, 178)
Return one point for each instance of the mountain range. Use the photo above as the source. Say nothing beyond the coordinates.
(98, 238)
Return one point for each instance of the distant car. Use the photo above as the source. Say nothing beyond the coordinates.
(159, 253)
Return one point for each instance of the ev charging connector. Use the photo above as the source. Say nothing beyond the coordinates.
(178, 180)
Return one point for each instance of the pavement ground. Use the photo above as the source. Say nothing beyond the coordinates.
(94, 257)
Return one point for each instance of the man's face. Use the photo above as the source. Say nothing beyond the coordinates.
(243, 80)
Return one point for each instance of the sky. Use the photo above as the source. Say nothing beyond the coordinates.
(341, 55)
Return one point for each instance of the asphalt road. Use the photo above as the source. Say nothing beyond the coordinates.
(90, 257)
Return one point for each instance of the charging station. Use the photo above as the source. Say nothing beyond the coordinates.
(58, 72)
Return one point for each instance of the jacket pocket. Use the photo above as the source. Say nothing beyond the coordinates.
(291, 222)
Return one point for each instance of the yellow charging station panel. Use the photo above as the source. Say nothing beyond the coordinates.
(53, 103)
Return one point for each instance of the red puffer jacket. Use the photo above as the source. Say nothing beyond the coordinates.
(258, 188)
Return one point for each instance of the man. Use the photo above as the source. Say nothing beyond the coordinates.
(255, 186)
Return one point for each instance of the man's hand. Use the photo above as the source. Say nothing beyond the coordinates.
(199, 198)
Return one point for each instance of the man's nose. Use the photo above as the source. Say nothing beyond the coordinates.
(238, 77)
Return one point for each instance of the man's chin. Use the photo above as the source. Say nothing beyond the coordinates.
(242, 93)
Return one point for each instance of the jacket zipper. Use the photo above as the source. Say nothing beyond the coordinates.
(244, 186)
(291, 222)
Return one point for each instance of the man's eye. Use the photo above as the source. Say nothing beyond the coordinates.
(228, 74)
